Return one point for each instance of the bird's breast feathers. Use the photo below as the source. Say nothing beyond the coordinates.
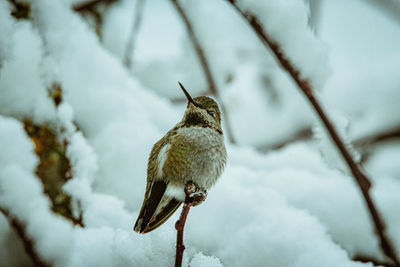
(194, 154)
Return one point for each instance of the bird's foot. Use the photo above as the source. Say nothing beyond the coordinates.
(195, 195)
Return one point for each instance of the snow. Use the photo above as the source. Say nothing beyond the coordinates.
(21, 70)
(252, 228)
(330, 153)
(18, 183)
(6, 27)
(308, 53)
(384, 161)
(365, 64)
(258, 100)
(11, 253)
(296, 206)
(201, 260)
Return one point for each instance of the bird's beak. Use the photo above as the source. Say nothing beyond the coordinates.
(189, 98)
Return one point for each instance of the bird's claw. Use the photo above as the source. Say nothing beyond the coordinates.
(194, 194)
(190, 188)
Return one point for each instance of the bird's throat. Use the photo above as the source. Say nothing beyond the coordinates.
(194, 119)
(197, 120)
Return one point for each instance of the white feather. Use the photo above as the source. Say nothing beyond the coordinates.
(162, 157)
(176, 191)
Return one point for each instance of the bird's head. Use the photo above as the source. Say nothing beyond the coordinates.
(201, 111)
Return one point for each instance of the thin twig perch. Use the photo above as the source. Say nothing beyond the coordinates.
(360, 177)
(179, 226)
(206, 67)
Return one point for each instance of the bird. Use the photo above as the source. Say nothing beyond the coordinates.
(185, 163)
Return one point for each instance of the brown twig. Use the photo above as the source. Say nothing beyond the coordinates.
(302, 134)
(363, 144)
(206, 67)
(388, 134)
(366, 144)
(92, 8)
(20, 10)
(391, 8)
(134, 33)
(360, 177)
(90, 5)
(30, 249)
(179, 226)
(374, 261)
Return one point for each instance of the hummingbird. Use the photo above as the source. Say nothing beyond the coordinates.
(184, 163)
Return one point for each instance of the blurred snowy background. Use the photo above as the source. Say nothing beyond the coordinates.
(77, 124)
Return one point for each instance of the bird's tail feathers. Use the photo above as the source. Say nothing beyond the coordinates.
(156, 209)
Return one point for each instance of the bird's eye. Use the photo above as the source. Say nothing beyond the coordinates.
(211, 112)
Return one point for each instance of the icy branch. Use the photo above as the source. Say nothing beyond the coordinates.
(54, 168)
(360, 177)
(206, 67)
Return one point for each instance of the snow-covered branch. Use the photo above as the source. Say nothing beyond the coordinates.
(304, 85)
(62, 84)
(27, 241)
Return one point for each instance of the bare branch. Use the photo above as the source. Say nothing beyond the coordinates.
(20, 10)
(179, 226)
(366, 144)
(359, 176)
(90, 5)
(390, 7)
(194, 196)
(374, 261)
(95, 9)
(134, 33)
(363, 144)
(301, 135)
(206, 67)
(29, 246)
(388, 134)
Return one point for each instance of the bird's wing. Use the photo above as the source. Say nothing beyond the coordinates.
(157, 206)
(156, 209)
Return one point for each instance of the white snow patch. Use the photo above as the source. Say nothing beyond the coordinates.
(308, 54)
(200, 260)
